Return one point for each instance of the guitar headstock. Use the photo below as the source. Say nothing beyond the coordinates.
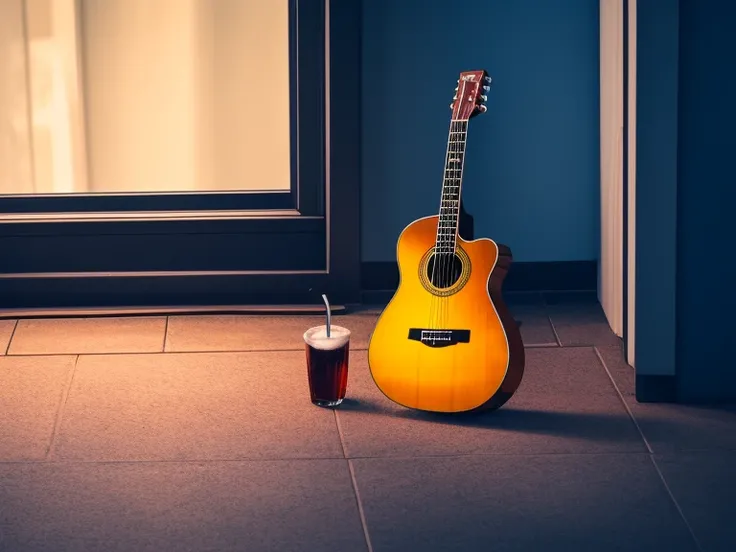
(470, 95)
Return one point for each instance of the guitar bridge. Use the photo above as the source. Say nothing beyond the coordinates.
(439, 338)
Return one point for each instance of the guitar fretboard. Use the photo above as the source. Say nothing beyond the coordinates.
(450, 202)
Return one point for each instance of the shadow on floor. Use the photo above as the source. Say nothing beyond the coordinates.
(580, 425)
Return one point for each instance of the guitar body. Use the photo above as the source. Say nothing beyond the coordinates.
(448, 348)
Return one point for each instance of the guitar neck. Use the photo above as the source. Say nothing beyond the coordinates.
(449, 214)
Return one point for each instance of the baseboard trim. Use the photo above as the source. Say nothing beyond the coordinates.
(530, 276)
(72, 312)
(656, 389)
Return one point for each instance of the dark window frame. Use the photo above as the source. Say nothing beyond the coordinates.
(272, 254)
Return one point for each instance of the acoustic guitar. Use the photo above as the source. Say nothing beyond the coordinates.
(446, 341)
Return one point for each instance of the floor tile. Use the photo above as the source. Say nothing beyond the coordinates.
(673, 427)
(704, 485)
(535, 326)
(160, 507)
(622, 373)
(89, 335)
(32, 388)
(194, 406)
(550, 502)
(258, 333)
(580, 321)
(570, 297)
(565, 403)
(6, 331)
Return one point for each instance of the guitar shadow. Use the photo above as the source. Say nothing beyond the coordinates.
(579, 425)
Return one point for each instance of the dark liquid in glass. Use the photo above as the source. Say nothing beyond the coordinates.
(328, 374)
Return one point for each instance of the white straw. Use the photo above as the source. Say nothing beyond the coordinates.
(329, 315)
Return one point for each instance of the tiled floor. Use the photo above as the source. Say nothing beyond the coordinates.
(196, 433)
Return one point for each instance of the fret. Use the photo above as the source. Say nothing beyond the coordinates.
(450, 201)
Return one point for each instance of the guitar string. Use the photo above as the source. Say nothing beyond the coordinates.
(434, 302)
(446, 255)
(439, 243)
(444, 258)
(451, 212)
(456, 199)
(446, 217)
(453, 215)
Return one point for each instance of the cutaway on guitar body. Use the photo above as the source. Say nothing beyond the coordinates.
(447, 349)
(447, 342)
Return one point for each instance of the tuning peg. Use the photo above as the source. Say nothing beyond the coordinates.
(486, 88)
(487, 79)
(482, 108)
(484, 98)
(452, 105)
(454, 97)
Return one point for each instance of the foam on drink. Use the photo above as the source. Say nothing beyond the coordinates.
(317, 337)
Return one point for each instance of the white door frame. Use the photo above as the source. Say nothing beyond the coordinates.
(631, 188)
(610, 267)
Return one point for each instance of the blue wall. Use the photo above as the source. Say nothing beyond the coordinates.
(532, 169)
(657, 45)
(706, 202)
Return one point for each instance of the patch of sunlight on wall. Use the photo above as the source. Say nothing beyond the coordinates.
(16, 163)
(144, 96)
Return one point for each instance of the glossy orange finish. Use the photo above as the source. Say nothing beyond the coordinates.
(456, 378)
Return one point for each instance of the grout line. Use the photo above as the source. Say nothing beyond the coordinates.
(549, 319)
(361, 511)
(354, 483)
(225, 351)
(10, 339)
(60, 410)
(166, 334)
(623, 401)
(677, 504)
(340, 434)
(171, 353)
(320, 458)
(554, 330)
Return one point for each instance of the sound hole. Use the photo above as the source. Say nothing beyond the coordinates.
(444, 269)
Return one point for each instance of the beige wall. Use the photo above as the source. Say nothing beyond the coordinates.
(186, 94)
(251, 75)
(16, 164)
(610, 273)
(57, 117)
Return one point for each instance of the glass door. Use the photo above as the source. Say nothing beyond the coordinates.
(166, 153)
